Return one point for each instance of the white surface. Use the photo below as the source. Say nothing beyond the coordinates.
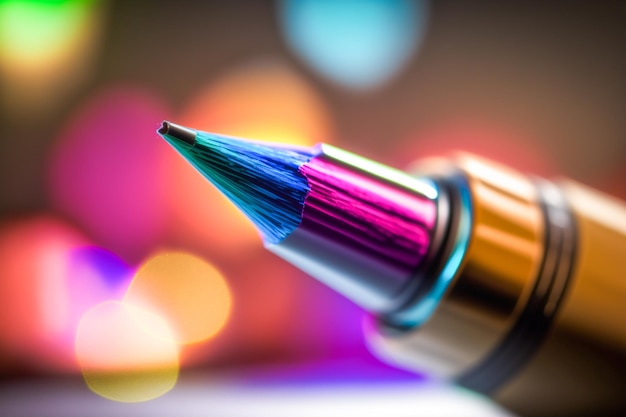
(226, 398)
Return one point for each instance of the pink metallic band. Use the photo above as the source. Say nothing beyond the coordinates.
(360, 233)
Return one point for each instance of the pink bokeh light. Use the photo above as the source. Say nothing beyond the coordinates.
(489, 140)
(50, 277)
(105, 171)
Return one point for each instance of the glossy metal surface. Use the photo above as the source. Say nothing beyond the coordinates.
(580, 369)
(365, 228)
(536, 311)
(493, 284)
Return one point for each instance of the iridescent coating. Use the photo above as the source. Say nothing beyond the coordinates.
(365, 227)
(380, 220)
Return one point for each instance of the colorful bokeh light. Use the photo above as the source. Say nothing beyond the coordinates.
(359, 44)
(327, 324)
(265, 288)
(488, 140)
(184, 289)
(105, 171)
(126, 353)
(50, 277)
(45, 46)
(264, 101)
(95, 275)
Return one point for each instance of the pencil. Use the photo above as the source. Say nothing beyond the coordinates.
(507, 285)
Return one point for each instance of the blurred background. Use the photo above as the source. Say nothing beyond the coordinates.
(121, 267)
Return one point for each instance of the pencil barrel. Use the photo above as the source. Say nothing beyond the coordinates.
(536, 315)
(581, 367)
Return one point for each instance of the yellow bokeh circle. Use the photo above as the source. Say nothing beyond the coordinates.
(186, 290)
(126, 354)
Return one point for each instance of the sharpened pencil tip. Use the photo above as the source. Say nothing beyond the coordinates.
(177, 132)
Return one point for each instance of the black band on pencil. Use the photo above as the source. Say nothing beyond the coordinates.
(534, 322)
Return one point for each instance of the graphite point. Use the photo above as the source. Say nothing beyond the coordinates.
(179, 132)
